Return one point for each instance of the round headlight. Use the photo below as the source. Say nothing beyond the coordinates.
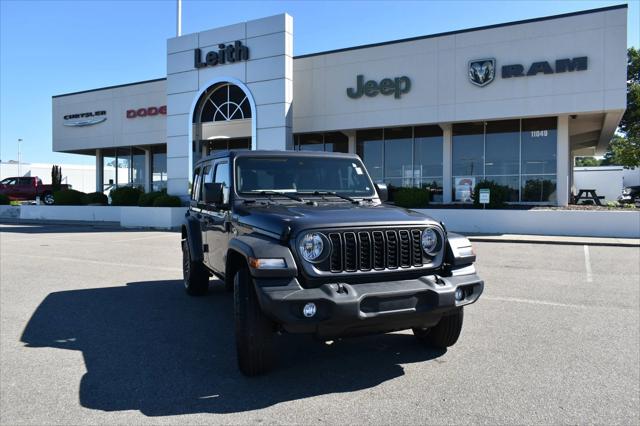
(311, 247)
(429, 241)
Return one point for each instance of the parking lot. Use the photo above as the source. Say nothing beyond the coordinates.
(96, 328)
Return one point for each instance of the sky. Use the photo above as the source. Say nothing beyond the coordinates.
(54, 47)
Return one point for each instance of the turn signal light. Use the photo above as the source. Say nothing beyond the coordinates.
(267, 263)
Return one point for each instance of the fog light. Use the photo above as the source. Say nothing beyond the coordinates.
(309, 310)
(459, 294)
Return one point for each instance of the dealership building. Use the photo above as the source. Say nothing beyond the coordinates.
(512, 103)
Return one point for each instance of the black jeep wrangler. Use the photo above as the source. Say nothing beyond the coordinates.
(306, 244)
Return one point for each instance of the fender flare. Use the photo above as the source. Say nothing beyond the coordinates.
(191, 227)
(459, 250)
(259, 247)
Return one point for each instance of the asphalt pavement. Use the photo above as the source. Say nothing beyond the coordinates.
(95, 328)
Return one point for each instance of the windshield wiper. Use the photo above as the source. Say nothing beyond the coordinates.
(334, 194)
(284, 194)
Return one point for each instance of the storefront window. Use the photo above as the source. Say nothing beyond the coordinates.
(137, 168)
(123, 160)
(502, 148)
(467, 159)
(159, 167)
(310, 142)
(370, 148)
(109, 169)
(541, 188)
(517, 154)
(539, 146)
(427, 160)
(329, 141)
(336, 142)
(398, 161)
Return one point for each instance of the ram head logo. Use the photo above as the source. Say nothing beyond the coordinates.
(482, 71)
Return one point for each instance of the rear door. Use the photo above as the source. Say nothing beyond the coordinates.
(196, 205)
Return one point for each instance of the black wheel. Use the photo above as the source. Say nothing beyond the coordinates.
(47, 198)
(443, 334)
(196, 278)
(254, 331)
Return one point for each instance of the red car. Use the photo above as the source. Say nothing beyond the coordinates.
(28, 188)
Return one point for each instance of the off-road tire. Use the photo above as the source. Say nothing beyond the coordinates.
(194, 274)
(443, 334)
(254, 331)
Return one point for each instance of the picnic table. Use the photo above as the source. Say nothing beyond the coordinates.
(588, 195)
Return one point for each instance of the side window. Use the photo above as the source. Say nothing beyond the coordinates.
(9, 181)
(222, 176)
(195, 189)
(24, 181)
(207, 173)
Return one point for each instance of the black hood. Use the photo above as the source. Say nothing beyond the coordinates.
(276, 218)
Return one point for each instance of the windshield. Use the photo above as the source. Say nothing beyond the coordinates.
(298, 174)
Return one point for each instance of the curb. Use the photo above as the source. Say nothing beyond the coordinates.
(612, 242)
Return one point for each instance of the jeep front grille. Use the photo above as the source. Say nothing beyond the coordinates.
(374, 250)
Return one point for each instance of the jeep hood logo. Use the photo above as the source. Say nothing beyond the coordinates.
(482, 71)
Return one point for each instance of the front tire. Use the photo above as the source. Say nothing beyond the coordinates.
(194, 274)
(254, 331)
(445, 333)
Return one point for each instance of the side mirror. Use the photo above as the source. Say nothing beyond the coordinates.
(213, 194)
(383, 192)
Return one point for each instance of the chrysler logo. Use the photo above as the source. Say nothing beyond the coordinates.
(85, 119)
(482, 71)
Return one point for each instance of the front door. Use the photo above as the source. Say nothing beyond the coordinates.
(217, 219)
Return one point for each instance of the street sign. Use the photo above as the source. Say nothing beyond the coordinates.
(485, 195)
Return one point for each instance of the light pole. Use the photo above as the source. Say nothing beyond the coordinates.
(19, 160)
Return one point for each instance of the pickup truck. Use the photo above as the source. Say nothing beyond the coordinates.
(27, 188)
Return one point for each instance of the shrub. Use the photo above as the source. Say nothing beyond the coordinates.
(97, 198)
(69, 197)
(411, 197)
(147, 200)
(165, 200)
(125, 196)
(4, 200)
(498, 196)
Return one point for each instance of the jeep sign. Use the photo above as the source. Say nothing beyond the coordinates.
(396, 87)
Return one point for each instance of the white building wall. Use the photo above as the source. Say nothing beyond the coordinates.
(441, 91)
(117, 130)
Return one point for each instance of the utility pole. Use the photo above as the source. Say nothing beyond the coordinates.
(179, 19)
(19, 157)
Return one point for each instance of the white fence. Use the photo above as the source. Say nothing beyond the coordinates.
(581, 223)
(614, 224)
(128, 217)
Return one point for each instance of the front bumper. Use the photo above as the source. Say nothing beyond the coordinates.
(351, 309)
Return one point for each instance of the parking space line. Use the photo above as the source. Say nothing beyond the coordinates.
(546, 303)
(587, 264)
(96, 262)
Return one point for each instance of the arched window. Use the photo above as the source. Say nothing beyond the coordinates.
(223, 102)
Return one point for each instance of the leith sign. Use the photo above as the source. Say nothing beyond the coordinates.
(229, 53)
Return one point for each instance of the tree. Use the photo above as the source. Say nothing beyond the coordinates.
(587, 162)
(56, 177)
(624, 149)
